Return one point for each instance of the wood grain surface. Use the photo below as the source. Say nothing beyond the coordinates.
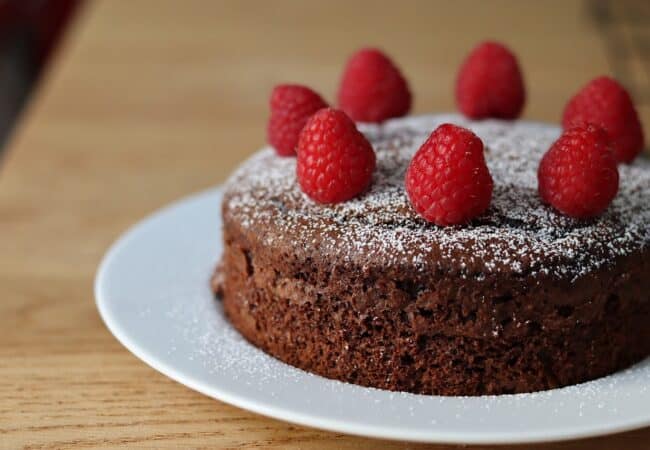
(149, 101)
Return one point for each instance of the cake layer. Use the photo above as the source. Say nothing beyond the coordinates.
(398, 347)
(506, 305)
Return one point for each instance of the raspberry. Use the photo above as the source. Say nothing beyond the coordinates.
(604, 102)
(489, 83)
(448, 181)
(372, 88)
(578, 175)
(291, 106)
(335, 161)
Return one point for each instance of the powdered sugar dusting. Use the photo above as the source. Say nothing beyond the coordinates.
(518, 234)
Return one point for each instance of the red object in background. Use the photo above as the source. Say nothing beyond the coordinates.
(489, 83)
(372, 88)
(29, 32)
(604, 102)
(40, 21)
(291, 106)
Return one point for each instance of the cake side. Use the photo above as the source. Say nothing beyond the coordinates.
(352, 326)
(492, 305)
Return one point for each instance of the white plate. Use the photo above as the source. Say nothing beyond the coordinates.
(152, 291)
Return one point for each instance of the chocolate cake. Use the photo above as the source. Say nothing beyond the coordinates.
(366, 291)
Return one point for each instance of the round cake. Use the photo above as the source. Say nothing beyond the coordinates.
(366, 291)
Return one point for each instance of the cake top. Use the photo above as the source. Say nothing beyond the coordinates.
(517, 235)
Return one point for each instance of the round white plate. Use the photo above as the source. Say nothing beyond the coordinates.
(152, 292)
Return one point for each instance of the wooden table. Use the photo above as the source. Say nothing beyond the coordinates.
(149, 101)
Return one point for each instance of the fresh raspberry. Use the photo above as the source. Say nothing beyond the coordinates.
(372, 88)
(578, 175)
(291, 106)
(489, 83)
(448, 181)
(335, 161)
(604, 102)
